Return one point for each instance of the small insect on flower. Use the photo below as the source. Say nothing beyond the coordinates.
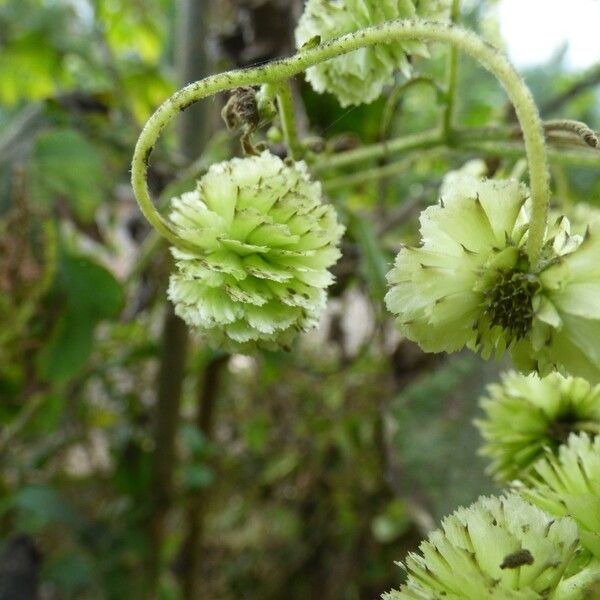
(246, 110)
(497, 548)
(360, 76)
(517, 559)
(264, 241)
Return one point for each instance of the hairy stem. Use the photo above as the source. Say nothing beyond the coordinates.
(406, 143)
(373, 173)
(395, 96)
(581, 130)
(477, 145)
(287, 115)
(452, 78)
(462, 139)
(391, 31)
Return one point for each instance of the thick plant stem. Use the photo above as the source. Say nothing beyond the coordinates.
(166, 419)
(192, 549)
(391, 31)
(287, 115)
(175, 338)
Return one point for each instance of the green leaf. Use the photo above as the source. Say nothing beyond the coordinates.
(66, 165)
(90, 287)
(91, 294)
(68, 348)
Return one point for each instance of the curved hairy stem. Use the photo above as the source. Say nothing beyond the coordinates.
(395, 97)
(577, 128)
(391, 31)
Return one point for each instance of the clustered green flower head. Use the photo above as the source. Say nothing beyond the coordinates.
(525, 415)
(498, 548)
(264, 242)
(470, 282)
(569, 484)
(360, 76)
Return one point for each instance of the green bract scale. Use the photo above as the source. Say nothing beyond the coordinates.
(470, 282)
(498, 548)
(569, 484)
(566, 331)
(264, 242)
(525, 415)
(360, 76)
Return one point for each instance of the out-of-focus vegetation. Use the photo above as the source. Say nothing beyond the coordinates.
(300, 475)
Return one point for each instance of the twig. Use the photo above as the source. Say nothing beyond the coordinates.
(589, 80)
(376, 173)
(578, 128)
(166, 419)
(10, 432)
(192, 549)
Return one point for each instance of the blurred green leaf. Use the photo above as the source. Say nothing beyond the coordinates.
(197, 476)
(195, 441)
(72, 572)
(91, 294)
(256, 432)
(281, 466)
(38, 506)
(67, 166)
(392, 523)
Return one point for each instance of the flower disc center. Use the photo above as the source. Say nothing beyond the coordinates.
(509, 302)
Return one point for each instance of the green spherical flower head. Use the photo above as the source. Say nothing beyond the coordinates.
(360, 76)
(498, 548)
(569, 484)
(264, 242)
(470, 283)
(525, 415)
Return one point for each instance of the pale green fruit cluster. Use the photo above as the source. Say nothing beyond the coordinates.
(498, 548)
(360, 76)
(470, 283)
(569, 484)
(263, 242)
(526, 415)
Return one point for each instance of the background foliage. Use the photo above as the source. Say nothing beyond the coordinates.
(300, 475)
